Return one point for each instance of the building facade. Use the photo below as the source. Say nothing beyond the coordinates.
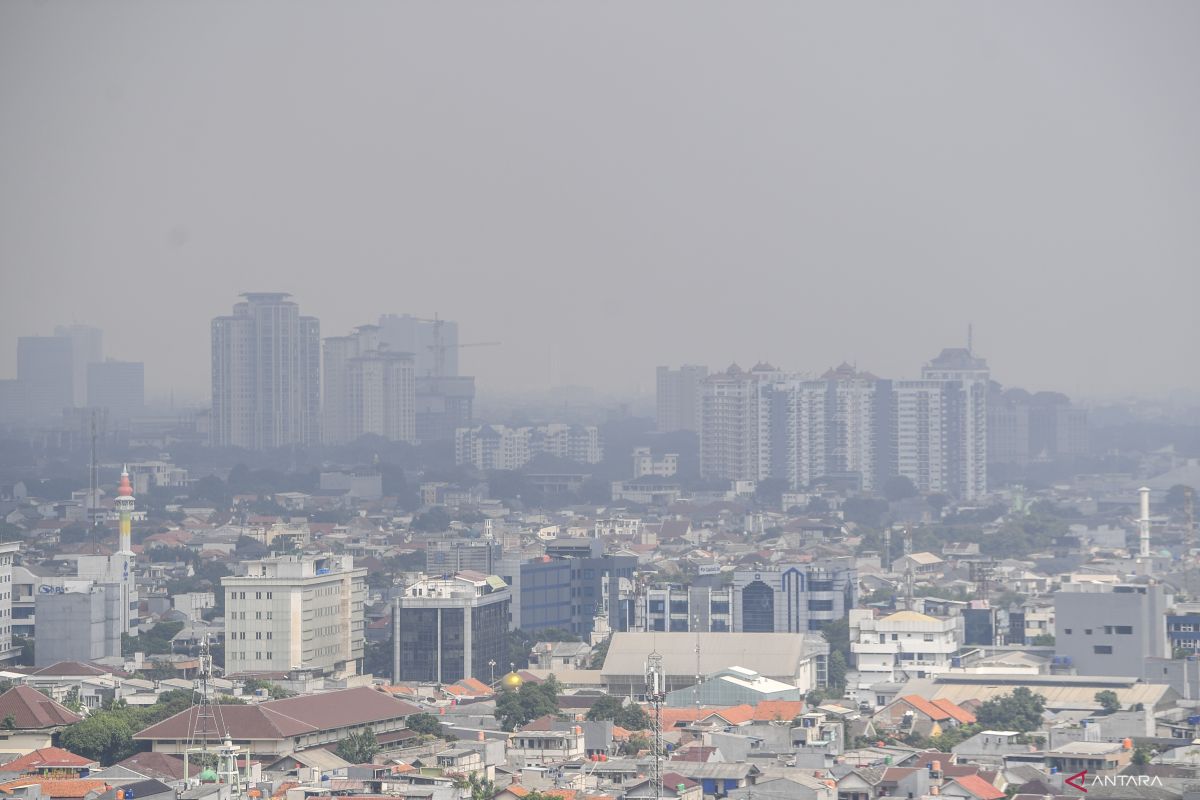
(295, 613)
(679, 397)
(899, 647)
(46, 374)
(793, 598)
(449, 628)
(369, 389)
(1111, 629)
(119, 386)
(8, 551)
(266, 374)
(498, 447)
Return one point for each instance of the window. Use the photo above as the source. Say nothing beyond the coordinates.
(1124, 630)
(269, 594)
(1087, 631)
(258, 615)
(258, 595)
(1102, 649)
(1067, 631)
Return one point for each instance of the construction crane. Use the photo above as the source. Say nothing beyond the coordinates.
(439, 346)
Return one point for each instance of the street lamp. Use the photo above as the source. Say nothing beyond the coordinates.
(492, 667)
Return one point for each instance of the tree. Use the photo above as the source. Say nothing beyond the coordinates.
(480, 788)
(425, 724)
(1043, 640)
(1108, 701)
(10, 722)
(1020, 711)
(432, 521)
(273, 690)
(1141, 756)
(599, 653)
(103, 736)
(899, 487)
(635, 745)
(631, 717)
(531, 701)
(360, 747)
(1177, 496)
(837, 671)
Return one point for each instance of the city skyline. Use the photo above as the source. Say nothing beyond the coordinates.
(766, 203)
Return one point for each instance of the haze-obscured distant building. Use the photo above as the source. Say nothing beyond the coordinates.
(266, 374)
(679, 397)
(119, 386)
(369, 389)
(87, 347)
(46, 372)
(498, 447)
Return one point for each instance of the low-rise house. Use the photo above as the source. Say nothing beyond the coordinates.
(281, 727)
(970, 787)
(29, 720)
(533, 748)
(50, 761)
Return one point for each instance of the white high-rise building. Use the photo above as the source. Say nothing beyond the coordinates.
(295, 613)
(369, 389)
(498, 447)
(735, 423)
(679, 397)
(966, 378)
(266, 374)
(920, 437)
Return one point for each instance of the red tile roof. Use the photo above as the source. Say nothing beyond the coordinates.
(32, 710)
(979, 787)
(48, 758)
(278, 719)
(961, 715)
(927, 708)
(768, 710)
(77, 788)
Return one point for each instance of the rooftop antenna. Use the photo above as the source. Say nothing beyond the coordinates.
(656, 694)
(206, 722)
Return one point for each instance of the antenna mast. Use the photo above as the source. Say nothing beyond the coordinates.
(656, 694)
(206, 721)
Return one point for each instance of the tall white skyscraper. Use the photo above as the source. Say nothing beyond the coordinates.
(369, 389)
(266, 374)
(966, 380)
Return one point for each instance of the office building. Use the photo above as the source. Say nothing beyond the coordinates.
(456, 555)
(446, 629)
(46, 372)
(369, 389)
(1111, 629)
(119, 386)
(793, 598)
(87, 348)
(541, 591)
(266, 367)
(679, 397)
(295, 613)
(1008, 426)
(78, 621)
(685, 608)
(601, 584)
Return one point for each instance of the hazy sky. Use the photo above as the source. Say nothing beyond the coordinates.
(608, 186)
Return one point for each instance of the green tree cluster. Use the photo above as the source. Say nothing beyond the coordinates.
(1108, 701)
(1020, 711)
(426, 725)
(107, 735)
(532, 700)
(631, 717)
(360, 747)
(156, 641)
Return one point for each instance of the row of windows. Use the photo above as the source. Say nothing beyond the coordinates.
(1123, 630)
(257, 595)
(257, 615)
